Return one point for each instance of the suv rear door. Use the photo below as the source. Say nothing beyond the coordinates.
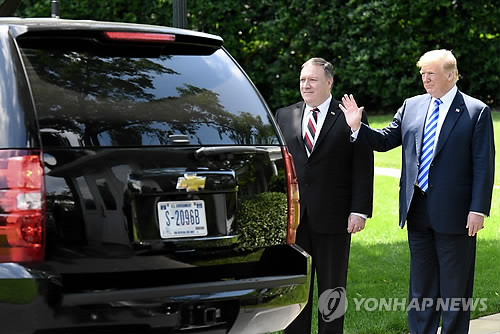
(168, 188)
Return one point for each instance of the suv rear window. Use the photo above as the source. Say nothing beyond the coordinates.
(85, 99)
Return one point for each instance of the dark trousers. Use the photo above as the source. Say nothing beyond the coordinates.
(330, 257)
(441, 271)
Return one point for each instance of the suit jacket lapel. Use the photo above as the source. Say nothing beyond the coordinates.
(456, 110)
(421, 115)
(332, 116)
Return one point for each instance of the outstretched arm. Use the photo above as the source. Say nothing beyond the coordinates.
(351, 111)
(380, 140)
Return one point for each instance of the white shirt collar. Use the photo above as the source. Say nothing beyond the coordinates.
(323, 107)
(447, 99)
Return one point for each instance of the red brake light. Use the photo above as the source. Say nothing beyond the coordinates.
(139, 36)
(293, 196)
(22, 206)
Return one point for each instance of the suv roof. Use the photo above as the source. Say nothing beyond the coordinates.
(62, 24)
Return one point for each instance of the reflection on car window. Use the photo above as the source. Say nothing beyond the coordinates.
(90, 100)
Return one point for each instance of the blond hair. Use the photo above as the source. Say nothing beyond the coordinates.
(445, 57)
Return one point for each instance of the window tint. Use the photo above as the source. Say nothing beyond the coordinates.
(84, 99)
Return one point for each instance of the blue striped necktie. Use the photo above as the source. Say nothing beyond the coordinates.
(428, 146)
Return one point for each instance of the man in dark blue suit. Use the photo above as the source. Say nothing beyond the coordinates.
(445, 189)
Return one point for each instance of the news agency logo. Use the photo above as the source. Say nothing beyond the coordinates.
(332, 304)
(423, 304)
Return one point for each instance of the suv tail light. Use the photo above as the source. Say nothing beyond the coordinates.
(293, 196)
(139, 36)
(22, 206)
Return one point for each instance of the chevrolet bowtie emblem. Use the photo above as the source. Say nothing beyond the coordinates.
(191, 182)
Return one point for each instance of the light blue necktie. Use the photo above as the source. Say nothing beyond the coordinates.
(428, 146)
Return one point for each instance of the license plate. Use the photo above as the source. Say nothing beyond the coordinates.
(182, 219)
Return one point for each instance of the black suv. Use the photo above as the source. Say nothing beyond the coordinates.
(145, 186)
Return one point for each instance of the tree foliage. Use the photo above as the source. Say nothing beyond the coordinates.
(373, 45)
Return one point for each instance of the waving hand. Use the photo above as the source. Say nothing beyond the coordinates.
(351, 111)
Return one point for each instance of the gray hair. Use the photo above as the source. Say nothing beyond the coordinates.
(328, 67)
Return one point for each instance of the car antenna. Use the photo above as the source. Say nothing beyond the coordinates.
(54, 9)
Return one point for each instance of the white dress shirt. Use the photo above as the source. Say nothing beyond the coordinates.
(447, 99)
(323, 110)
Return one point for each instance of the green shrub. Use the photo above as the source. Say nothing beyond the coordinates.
(262, 220)
(374, 45)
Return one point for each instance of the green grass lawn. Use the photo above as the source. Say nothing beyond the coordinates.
(379, 260)
(379, 265)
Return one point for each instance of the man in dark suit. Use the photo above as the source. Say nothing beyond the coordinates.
(335, 181)
(445, 189)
